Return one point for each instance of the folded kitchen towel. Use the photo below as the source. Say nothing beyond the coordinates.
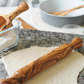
(11, 2)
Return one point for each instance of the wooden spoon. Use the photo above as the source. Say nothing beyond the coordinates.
(6, 20)
(42, 63)
(65, 12)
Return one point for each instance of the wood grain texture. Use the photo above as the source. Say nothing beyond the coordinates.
(65, 12)
(6, 20)
(25, 25)
(42, 63)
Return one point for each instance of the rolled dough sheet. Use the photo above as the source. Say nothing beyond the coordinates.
(65, 71)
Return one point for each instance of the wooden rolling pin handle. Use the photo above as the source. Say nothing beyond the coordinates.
(21, 8)
(42, 63)
(76, 43)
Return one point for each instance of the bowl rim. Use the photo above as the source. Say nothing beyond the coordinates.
(19, 23)
(56, 15)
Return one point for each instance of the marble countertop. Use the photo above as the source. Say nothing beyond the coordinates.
(40, 38)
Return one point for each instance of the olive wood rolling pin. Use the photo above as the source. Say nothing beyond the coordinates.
(25, 25)
(42, 63)
(6, 20)
(65, 12)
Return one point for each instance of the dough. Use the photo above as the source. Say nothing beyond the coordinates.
(63, 72)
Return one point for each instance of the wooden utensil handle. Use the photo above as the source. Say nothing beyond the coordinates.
(42, 63)
(57, 13)
(66, 11)
(63, 14)
(21, 8)
(25, 25)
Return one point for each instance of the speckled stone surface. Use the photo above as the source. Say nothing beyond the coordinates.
(40, 38)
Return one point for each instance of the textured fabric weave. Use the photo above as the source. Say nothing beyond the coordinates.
(10, 2)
